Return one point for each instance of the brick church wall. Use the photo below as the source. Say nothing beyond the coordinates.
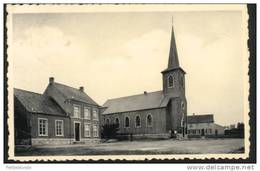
(158, 121)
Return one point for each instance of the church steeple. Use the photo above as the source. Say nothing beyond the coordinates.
(173, 61)
(173, 79)
(173, 75)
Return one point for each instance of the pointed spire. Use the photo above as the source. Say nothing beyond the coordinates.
(173, 61)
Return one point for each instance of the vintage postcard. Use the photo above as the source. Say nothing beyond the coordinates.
(129, 82)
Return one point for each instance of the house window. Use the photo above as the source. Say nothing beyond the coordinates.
(127, 122)
(170, 81)
(87, 130)
(59, 127)
(95, 114)
(76, 111)
(43, 127)
(137, 121)
(86, 113)
(117, 122)
(149, 120)
(95, 130)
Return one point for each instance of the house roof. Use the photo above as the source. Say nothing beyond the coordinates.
(200, 118)
(37, 103)
(136, 102)
(73, 93)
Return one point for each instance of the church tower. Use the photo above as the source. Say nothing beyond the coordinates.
(174, 88)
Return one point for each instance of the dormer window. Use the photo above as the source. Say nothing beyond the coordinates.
(170, 81)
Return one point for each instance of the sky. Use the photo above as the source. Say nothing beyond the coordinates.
(120, 54)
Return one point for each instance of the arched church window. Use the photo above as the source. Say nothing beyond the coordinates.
(107, 121)
(182, 105)
(117, 122)
(127, 121)
(170, 81)
(182, 81)
(149, 120)
(137, 121)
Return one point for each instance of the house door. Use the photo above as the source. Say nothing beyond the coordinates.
(77, 132)
(202, 132)
(216, 132)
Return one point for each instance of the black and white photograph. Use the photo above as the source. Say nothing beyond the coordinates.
(127, 81)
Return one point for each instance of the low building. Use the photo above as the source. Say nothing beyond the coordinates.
(203, 126)
(61, 115)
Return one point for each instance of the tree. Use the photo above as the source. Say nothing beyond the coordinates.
(240, 126)
(109, 131)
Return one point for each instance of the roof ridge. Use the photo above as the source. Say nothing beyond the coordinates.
(134, 95)
(28, 91)
(66, 85)
(201, 115)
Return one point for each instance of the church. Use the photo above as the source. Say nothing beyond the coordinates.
(158, 114)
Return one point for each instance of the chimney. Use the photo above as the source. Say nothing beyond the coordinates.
(145, 92)
(51, 80)
(81, 88)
